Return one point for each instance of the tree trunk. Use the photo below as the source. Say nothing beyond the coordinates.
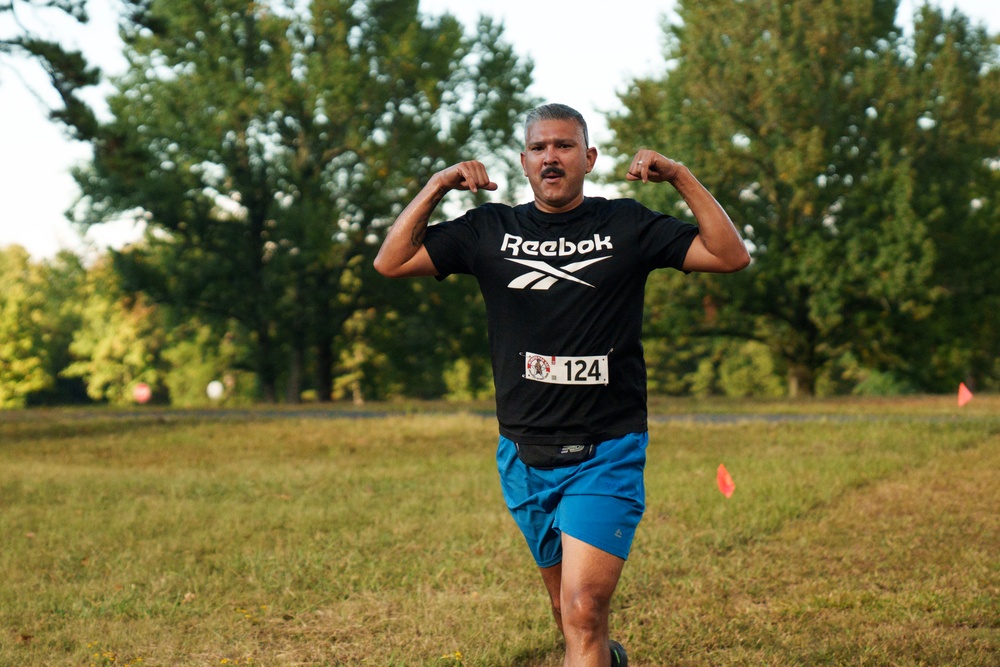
(357, 394)
(265, 367)
(293, 389)
(801, 381)
(324, 370)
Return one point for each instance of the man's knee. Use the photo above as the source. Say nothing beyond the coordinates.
(585, 609)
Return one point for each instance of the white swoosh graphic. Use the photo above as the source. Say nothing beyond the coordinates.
(544, 268)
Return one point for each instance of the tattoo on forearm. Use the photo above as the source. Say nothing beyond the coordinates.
(420, 228)
(419, 233)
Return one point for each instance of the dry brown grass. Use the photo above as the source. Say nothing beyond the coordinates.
(302, 541)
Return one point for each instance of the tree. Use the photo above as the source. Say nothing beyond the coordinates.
(59, 285)
(24, 357)
(267, 144)
(119, 341)
(67, 70)
(197, 354)
(954, 78)
(39, 316)
(791, 114)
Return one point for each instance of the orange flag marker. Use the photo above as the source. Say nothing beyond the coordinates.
(964, 395)
(725, 480)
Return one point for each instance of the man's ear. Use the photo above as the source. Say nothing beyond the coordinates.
(591, 158)
(524, 167)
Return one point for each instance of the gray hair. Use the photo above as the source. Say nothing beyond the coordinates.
(557, 112)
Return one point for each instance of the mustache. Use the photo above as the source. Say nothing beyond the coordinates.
(552, 171)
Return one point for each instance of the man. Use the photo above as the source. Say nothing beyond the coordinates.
(563, 279)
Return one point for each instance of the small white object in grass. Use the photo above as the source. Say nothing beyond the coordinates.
(215, 390)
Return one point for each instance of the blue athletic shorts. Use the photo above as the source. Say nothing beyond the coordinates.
(599, 502)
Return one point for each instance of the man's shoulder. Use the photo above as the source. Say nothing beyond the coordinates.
(498, 206)
(494, 210)
(477, 214)
(616, 207)
(626, 202)
(616, 203)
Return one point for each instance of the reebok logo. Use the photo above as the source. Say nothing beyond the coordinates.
(560, 248)
(543, 275)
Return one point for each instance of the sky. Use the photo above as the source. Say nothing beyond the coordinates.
(584, 55)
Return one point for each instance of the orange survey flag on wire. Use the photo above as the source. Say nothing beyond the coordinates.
(964, 395)
(725, 480)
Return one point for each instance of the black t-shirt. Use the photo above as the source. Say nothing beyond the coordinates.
(564, 301)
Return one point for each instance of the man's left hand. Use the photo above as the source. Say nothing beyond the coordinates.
(649, 166)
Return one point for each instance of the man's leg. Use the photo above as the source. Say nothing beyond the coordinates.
(550, 506)
(581, 588)
(552, 576)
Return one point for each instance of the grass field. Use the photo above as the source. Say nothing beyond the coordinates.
(860, 533)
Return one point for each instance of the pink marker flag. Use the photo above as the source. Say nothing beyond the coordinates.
(725, 480)
(964, 395)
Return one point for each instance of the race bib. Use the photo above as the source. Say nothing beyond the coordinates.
(566, 370)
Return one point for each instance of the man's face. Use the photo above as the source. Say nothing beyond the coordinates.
(556, 161)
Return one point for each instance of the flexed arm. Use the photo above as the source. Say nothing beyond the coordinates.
(402, 254)
(718, 248)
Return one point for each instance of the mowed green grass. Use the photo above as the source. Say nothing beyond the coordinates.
(868, 535)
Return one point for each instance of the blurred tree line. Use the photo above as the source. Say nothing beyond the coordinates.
(864, 168)
(268, 145)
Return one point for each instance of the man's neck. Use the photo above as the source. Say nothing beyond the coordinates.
(544, 208)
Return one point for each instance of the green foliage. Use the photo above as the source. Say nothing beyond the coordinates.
(847, 375)
(748, 369)
(956, 66)
(359, 361)
(712, 367)
(196, 355)
(848, 155)
(875, 383)
(24, 357)
(268, 145)
(70, 334)
(119, 341)
(63, 280)
(424, 329)
(467, 383)
(39, 314)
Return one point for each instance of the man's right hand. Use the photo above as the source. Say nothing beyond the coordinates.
(470, 175)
